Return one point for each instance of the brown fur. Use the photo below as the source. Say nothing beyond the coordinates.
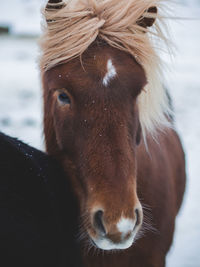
(161, 184)
(95, 139)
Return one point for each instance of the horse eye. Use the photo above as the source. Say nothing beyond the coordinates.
(64, 99)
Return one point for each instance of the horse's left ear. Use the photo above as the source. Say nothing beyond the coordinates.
(50, 7)
(148, 19)
(55, 4)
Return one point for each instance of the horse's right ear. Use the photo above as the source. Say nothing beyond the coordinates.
(55, 4)
(148, 19)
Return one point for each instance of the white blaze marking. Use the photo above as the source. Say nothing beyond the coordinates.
(125, 225)
(111, 73)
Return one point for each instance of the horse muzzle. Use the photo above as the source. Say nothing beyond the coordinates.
(115, 235)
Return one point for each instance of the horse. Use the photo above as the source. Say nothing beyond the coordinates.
(38, 212)
(108, 121)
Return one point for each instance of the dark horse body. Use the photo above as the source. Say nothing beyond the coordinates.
(38, 215)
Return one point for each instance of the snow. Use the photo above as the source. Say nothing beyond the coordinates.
(23, 16)
(20, 94)
(21, 103)
(184, 83)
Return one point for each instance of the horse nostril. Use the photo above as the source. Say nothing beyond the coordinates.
(98, 223)
(137, 216)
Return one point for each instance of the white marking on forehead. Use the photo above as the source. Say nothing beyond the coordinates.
(125, 225)
(111, 73)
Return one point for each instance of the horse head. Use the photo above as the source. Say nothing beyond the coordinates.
(91, 116)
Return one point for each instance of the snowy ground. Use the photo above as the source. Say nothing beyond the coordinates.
(184, 83)
(20, 96)
(21, 105)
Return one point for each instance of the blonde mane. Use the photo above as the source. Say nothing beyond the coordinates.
(70, 30)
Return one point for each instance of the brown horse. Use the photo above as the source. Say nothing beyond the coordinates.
(106, 118)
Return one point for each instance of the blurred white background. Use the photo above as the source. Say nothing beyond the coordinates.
(21, 101)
